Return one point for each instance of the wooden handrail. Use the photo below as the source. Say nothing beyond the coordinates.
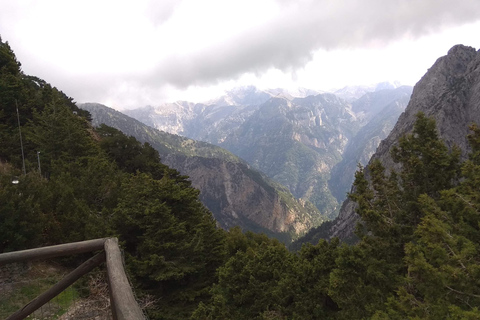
(123, 303)
(52, 251)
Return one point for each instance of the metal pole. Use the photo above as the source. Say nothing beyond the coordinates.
(38, 158)
(21, 142)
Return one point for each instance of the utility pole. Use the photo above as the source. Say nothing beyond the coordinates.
(38, 158)
(21, 142)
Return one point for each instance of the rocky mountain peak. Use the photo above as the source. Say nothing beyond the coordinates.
(450, 93)
(446, 93)
(241, 96)
(387, 85)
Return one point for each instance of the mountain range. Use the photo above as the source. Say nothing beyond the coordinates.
(285, 153)
(311, 144)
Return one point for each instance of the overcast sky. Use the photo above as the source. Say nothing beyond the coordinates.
(128, 54)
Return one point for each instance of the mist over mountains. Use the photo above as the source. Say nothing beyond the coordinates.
(311, 143)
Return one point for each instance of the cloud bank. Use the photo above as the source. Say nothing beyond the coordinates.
(116, 49)
(288, 41)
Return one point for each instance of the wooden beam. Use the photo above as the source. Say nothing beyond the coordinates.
(52, 251)
(63, 284)
(123, 303)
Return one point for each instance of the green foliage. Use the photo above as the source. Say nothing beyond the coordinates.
(443, 260)
(305, 291)
(389, 204)
(365, 277)
(129, 154)
(24, 218)
(54, 121)
(84, 194)
(427, 166)
(379, 204)
(474, 140)
(8, 61)
(101, 184)
(391, 210)
(172, 245)
(248, 282)
(263, 280)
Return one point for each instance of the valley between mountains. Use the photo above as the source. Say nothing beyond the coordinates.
(269, 161)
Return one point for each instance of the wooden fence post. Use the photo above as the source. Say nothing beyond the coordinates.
(123, 303)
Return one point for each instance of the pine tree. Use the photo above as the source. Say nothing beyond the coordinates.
(173, 247)
(389, 206)
(443, 259)
(248, 283)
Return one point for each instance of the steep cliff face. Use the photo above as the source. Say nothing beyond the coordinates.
(236, 194)
(450, 93)
(241, 197)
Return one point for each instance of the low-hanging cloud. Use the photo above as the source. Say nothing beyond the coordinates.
(137, 52)
(302, 27)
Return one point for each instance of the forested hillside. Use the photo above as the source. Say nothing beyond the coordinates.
(449, 93)
(100, 183)
(418, 254)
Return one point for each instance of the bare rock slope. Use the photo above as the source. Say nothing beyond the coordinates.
(240, 196)
(450, 93)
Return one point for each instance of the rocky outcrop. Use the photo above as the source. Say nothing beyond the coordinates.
(450, 93)
(241, 197)
(211, 122)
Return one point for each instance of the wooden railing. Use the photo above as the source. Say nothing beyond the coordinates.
(122, 300)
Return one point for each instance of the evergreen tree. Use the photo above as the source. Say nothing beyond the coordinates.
(427, 167)
(305, 290)
(59, 135)
(443, 259)
(418, 256)
(130, 155)
(173, 247)
(247, 285)
(25, 218)
(367, 274)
